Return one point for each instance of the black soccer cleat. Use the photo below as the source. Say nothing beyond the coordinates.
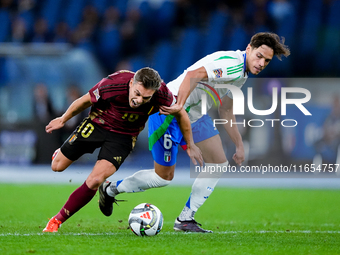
(189, 226)
(106, 201)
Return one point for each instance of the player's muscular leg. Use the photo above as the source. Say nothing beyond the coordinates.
(165, 172)
(60, 162)
(101, 170)
(212, 150)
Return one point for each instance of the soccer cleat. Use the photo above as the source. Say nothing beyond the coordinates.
(106, 201)
(189, 226)
(52, 225)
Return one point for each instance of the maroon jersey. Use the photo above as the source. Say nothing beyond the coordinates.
(111, 109)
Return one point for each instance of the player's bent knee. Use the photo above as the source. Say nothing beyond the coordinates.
(93, 182)
(60, 165)
(56, 167)
(59, 161)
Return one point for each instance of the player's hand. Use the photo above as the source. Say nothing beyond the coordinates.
(238, 157)
(166, 110)
(55, 124)
(195, 154)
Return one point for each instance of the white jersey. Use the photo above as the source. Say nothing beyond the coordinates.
(222, 67)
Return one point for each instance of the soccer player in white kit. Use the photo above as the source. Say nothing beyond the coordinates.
(222, 67)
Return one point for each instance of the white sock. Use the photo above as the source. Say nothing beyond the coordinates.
(139, 181)
(200, 191)
(186, 214)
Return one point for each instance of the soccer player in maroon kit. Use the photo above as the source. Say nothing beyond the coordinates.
(120, 106)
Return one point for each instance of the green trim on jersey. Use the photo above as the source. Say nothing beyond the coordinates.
(236, 78)
(234, 69)
(224, 57)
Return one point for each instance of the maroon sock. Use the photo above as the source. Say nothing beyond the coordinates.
(79, 198)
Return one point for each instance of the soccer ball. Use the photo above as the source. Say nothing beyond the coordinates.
(146, 220)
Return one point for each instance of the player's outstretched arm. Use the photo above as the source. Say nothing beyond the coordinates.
(226, 112)
(75, 108)
(188, 84)
(192, 150)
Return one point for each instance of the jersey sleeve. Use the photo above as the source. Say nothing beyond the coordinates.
(164, 96)
(95, 91)
(113, 82)
(224, 69)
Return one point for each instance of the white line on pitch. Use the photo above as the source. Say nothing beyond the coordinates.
(171, 233)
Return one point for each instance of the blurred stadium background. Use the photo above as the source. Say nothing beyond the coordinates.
(52, 51)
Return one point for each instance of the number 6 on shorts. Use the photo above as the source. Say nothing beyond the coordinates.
(167, 142)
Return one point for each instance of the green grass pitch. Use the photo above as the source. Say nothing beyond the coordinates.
(244, 221)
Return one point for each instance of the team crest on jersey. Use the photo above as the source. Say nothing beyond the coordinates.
(218, 73)
(167, 156)
(96, 94)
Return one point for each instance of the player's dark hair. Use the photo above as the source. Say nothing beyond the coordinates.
(148, 77)
(272, 41)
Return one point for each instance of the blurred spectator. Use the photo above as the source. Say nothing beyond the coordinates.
(5, 24)
(73, 92)
(7, 4)
(120, 29)
(90, 15)
(332, 124)
(18, 31)
(82, 36)
(131, 42)
(43, 112)
(109, 42)
(153, 3)
(187, 14)
(256, 14)
(40, 31)
(43, 108)
(260, 21)
(3, 73)
(26, 12)
(61, 33)
(329, 143)
(279, 10)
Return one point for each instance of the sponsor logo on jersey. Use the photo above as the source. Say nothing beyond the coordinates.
(96, 94)
(218, 73)
(167, 156)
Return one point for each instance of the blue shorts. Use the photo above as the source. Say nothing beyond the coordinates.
(165, 136)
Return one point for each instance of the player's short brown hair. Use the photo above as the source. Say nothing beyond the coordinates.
(149, 77)
(272, 41)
